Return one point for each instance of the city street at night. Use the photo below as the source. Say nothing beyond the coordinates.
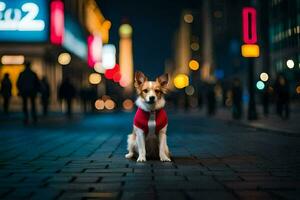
(84, 159)
(149, 100)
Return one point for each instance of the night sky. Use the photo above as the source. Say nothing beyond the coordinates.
(154, 24)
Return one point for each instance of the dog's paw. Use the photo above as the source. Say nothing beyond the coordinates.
(141, 159)
(129, 155)
(164, 158)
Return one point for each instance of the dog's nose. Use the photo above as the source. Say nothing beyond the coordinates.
(151, 98)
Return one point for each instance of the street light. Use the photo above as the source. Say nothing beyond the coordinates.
(264, 76)
(64, 58)
(290, 64)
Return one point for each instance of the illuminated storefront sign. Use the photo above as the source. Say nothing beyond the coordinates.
(24, 20)
(249, 49)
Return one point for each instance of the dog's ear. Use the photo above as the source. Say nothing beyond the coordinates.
(163, 80)
(139, 79)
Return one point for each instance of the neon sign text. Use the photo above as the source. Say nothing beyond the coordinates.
(24, 19)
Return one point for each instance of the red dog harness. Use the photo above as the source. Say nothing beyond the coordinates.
(150, 121)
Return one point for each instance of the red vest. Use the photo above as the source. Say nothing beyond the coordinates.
(142, 117)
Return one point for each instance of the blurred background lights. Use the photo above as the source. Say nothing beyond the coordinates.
(12, 59)
(99, 104)
(98, 68)
(188, 18)
(108, 56)
(264, 76)
(127, 104)
(195, 46)
(194, 65)
(260, 85)
(64, 58)
(189, 90)
(181, 80)
(298, 89)
(109, 104)
(95, 78)
(125, 30)
(106, 24)
(290, 64)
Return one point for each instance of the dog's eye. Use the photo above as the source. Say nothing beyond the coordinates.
(157, 91)
(145, 90)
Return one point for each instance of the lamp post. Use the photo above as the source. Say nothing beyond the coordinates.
(250, 50)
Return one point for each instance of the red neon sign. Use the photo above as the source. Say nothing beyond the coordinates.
(249, 25)
(57, 22)
(94, 50)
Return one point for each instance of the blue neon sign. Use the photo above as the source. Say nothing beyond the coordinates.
(24, 20)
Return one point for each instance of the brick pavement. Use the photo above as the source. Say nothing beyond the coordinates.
(84, 159)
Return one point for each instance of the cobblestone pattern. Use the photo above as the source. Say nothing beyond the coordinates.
(85, 160)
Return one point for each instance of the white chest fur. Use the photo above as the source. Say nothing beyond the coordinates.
(152, 123)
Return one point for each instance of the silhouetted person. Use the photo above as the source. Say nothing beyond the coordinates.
(67, 92)
(282, 94)
(28, 86)
(211, 100)
(237, 94)
(45, 94)
(5, 91)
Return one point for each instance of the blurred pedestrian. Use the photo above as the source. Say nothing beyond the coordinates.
(211, 100)
(67, 93)
(45, 94)
(237, 95)
(282, 95)
(5, 91)
(28, 86)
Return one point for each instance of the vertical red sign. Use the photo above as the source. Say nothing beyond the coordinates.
(57, 22)
(94, 50)
(249, 25)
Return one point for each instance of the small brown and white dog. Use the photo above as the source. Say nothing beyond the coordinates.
(149, 135)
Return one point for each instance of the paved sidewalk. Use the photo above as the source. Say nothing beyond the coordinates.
(84, 159)
(271, 123)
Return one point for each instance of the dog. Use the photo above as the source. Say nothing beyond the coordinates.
(149, 135)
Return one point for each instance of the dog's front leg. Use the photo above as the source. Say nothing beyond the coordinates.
(163, 148)
(140, 139)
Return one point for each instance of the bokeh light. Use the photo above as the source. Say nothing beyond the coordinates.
(64, 58)
(195, 46)
(98, 68)
(109, 104)
(181, 80)
(298, 89)
(12, 59)
(106, 24)
(108, 56)
(194, 65)
(260, 85)
(188, 18)
(125, 30)
(189, 90)
(264, 76)
(290, 64)
(99, 104)
(127, 104)
(95, 78)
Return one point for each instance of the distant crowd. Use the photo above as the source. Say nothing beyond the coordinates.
(29, 86)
